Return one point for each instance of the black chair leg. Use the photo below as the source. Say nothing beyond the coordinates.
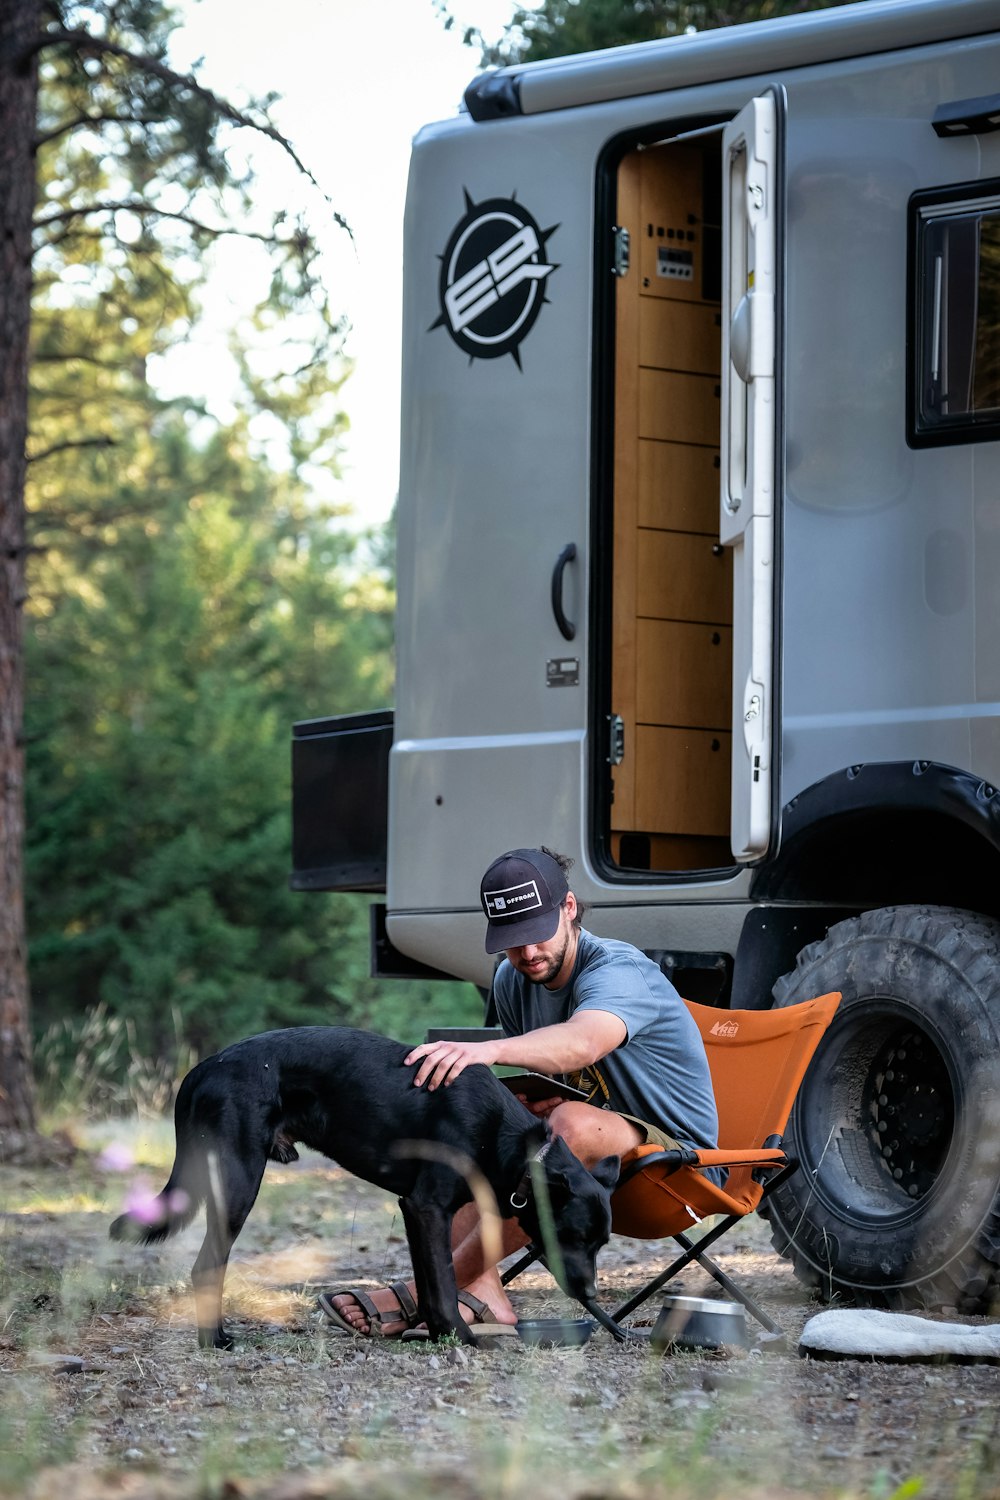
(739, 1295)
(694, 1252)
(527, 1259)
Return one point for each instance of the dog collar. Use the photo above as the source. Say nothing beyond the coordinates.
(522, 1193)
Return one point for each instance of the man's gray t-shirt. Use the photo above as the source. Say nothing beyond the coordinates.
(660, 1072)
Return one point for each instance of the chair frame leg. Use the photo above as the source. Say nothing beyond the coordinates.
(695, 1250)
(527, 1259)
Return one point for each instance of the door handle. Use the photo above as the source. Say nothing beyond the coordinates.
(567, 555)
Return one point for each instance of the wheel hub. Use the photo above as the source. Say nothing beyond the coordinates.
(908, 1102)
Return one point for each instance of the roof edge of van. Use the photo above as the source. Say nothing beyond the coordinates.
(729, 52)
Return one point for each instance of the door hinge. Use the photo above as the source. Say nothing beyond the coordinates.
(616, 739)
(623, 250)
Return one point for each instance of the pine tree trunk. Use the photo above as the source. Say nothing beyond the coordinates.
(20, 25)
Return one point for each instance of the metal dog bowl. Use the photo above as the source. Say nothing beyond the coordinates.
(699, 1323)
(555, 1333)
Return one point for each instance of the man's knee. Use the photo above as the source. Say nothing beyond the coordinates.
(592, 1133)
(569, 1122)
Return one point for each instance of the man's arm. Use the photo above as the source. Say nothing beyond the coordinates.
(585, 1038)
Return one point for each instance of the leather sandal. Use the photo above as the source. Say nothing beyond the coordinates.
(406, 1312)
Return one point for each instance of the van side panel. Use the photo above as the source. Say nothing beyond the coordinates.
(889, 619)
(890, 642)
(494, 475)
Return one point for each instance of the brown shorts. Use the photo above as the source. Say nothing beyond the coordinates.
(653, 1134)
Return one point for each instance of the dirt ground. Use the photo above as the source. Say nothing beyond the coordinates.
(104, 1393)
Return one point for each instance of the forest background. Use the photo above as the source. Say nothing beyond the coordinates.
(188, 595)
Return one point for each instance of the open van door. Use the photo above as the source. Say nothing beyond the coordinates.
(751, 192)
(693, 701)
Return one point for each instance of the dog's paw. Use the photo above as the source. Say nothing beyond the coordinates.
(215, 1338)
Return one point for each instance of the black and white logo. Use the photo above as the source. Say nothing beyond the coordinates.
(494, 274)
(513, 900)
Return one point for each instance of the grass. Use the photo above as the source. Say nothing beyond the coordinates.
(91, 1065)
(293, 1400)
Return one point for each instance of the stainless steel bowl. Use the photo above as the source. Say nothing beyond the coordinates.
(555, 1333)
(699, 1323)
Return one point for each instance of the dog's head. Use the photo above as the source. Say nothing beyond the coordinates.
(580, 1208)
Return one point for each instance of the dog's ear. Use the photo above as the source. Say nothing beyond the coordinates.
(607, 1171)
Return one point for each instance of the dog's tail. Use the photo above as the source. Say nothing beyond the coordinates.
(150, 1218)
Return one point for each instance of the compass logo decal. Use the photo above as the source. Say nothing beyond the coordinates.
(494, 275)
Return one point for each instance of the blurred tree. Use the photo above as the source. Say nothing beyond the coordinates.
(171, 667)
(559, 28)
(114, 176)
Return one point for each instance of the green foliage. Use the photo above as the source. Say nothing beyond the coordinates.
(165, 678)
(559, 28)
(90, 1066)
(189, 598)
(139, 166)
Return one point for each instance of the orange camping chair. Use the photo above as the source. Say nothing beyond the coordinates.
(757, 1059)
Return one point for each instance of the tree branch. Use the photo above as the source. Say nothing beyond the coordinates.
(88, 45)
(79, 122)
(43, 357)
(94, 442)
(141, 209)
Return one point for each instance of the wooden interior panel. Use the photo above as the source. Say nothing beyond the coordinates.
(683, 576)
(678, 487)
(671, 234)
(684, 675)
(680, 408)
(681, 336)
(694, 797)
(670, 851)
(671, 592)
(674, 851)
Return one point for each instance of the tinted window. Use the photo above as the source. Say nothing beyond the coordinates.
(955, 313)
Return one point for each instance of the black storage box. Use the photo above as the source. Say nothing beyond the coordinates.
(340, 802)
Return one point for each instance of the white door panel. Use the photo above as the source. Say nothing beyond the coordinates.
(749, 361)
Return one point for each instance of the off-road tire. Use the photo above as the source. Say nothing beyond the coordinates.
(897, 1125)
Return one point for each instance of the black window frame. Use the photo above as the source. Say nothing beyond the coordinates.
(967, 427)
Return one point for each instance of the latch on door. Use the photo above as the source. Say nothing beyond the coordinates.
(623, 250)
(616, 739)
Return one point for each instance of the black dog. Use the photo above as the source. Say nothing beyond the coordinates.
(348, 1094)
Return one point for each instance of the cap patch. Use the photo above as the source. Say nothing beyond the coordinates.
(512, 901)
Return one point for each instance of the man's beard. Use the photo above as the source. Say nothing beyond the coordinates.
(555, 964)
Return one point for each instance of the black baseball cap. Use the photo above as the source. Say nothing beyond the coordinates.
(521, 894)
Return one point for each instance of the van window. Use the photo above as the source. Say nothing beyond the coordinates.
(955, 311)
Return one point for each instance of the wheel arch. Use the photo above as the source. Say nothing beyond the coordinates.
(887, 834)
(890, 833)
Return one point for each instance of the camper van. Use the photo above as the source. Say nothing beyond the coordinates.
(699, 576)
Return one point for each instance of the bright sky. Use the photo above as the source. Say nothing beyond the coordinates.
(357, 78)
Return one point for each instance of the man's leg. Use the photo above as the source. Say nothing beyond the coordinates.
(471, 1273)
(591, 1134)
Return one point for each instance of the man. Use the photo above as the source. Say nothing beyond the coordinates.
(594, 1009)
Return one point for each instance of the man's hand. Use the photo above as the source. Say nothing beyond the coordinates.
(541, 1107)
(442, 1062)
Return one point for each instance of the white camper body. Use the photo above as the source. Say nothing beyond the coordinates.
(699, 567)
